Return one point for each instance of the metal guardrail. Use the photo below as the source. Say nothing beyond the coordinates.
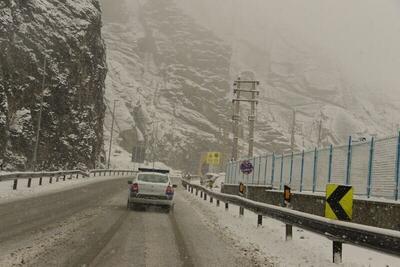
(27, 175)
(118, 172)
(57, 175)
(383, 240)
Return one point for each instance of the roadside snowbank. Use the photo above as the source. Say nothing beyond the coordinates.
(306, 248)
(7, 194)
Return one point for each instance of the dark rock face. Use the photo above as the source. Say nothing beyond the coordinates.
(67, 35)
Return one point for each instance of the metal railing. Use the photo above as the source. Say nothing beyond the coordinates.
(371, 167)
(59, 175)
(339, 232)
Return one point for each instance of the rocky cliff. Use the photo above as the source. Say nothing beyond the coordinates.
(52, 56)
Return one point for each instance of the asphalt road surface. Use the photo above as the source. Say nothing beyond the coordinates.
(91, 226)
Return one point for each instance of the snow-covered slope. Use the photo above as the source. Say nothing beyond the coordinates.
(170, 77)
(340, 63)
(172, 65)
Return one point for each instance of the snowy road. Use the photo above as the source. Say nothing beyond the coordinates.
(90, 226)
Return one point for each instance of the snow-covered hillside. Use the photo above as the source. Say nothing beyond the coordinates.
(172, 67)
(170, 78)
(341, 63)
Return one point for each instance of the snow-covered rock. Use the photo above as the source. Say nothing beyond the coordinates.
(68, 34)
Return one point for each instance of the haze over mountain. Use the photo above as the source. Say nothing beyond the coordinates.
(176, 60)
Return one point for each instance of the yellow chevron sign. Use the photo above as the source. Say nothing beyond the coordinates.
(339, 202)
(213, 158)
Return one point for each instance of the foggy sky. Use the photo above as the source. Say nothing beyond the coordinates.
(362, 37)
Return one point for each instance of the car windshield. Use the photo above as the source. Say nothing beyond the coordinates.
(153, 178)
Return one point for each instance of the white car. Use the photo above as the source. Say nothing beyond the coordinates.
(151, 187)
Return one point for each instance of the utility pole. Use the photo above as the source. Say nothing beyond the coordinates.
(40, 116)
(235, 119)
(252, 117)
(111, 135)
(236, 115)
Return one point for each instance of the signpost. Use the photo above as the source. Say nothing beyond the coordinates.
(246, 167)
(338, 206)
(287, 195)
(339, 202)
(213, 158)
(242, 189)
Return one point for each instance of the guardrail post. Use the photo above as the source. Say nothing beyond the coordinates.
(40, 180)
(289, 232)
(217, 202)
(273, 169)
(302, 171)
(211, 199)
(314, 185)
(64, 177)
(330, 163)
(291, 169)
(15, 184)
(201, 194)
(94, 173)
(348, 171)
(57, 178)
(281, 178)
(337, 252)
(110, 172)
(29, 182)
(397, 193)
(259, 220)
(197, 192)
(370, 166)
(226, 205)
(51, 179)
(205, 196)
(191, 190)
(77, 175)
(241, 211)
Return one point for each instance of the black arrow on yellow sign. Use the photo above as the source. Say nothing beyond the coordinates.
(334, 202)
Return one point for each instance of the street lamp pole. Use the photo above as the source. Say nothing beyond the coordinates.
(111, 135)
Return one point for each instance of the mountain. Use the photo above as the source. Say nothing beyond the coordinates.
(337, 69)
(52, 56)
(171, 79)
(171, 68)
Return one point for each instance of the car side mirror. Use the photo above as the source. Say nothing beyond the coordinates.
(129, 182)
(174, 185)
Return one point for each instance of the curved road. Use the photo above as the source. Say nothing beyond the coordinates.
(90, 226)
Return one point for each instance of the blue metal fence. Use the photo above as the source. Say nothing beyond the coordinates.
(371, 167)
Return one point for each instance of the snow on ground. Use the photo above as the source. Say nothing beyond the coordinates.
(7, 194)
(306, 248)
